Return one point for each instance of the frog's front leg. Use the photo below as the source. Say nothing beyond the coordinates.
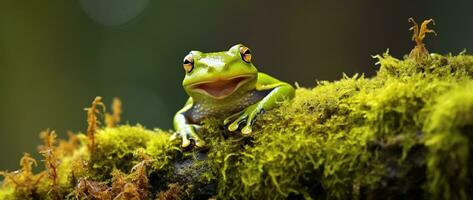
(184, 129)
(248, 115)
(279, 91)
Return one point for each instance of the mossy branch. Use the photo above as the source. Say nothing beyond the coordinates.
(405, 133)
(388, 136)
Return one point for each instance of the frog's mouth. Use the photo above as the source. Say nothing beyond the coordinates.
(221, 88)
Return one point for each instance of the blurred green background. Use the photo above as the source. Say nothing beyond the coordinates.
(57, 55)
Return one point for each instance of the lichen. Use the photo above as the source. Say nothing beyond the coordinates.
(405, 133)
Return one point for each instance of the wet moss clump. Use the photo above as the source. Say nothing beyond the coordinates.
(405, 133)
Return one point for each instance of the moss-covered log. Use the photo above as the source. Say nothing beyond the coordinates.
(406, 133)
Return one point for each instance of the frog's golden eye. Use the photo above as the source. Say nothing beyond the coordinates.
(245, 53)
(188, 63)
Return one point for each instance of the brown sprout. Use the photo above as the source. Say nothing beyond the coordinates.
(123, 186)
(420, 52)
(51, 160)
(24, 180)
(68, 147)
(113, 119)
(87, 189)
(93, 121)
(174, 192)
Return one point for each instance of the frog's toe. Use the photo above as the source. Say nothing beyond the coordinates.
(249, 123)
(233, 127)
(173, 136)
(246, 130)
(227, 120)
(188, 133)
(232, 118)
(185, 141)
(235, 124)
(198, 142)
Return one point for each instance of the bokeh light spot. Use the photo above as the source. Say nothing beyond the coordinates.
(113, 12)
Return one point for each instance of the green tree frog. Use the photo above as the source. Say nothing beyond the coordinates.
(225, 85)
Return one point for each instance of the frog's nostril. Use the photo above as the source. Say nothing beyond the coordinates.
(210, 69)
(225, 67)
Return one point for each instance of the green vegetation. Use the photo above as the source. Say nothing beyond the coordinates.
(405, 133)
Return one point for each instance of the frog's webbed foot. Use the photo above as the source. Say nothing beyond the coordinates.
(188, 133)
(246, 116)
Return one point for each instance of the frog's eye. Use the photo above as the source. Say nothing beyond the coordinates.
(188, 63)
(245, 54)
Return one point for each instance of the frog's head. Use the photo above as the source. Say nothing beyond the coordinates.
(219, 75)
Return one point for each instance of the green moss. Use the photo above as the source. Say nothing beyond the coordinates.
(389, 136)
(357, 137)
(7, 193)
(449, 138)
(118, 148)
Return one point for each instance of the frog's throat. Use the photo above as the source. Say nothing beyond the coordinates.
(221, 88)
